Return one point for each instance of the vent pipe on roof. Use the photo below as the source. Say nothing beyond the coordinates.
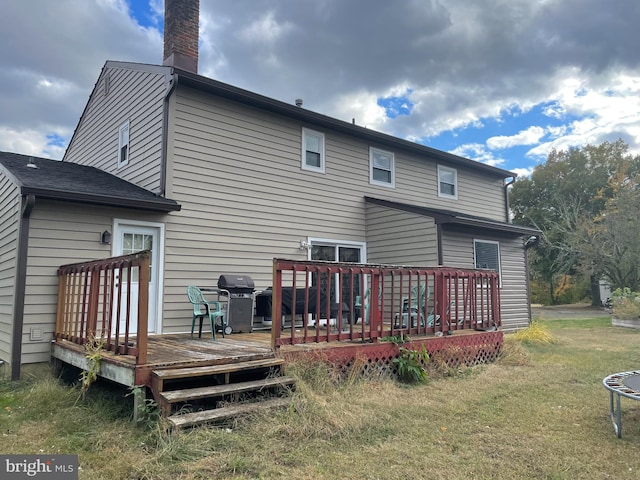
(31, 163)
(298, 102)
(181, 29)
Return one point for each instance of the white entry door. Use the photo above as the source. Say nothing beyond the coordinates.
(132, 238)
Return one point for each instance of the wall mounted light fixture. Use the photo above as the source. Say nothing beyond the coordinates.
(304, 245)
(105, 238)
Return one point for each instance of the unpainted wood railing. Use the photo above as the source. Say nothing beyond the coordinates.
(366, 302)
(96, 300)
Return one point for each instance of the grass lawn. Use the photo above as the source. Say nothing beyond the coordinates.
(539, 412)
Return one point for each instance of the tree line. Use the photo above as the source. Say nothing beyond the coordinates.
(586, 203)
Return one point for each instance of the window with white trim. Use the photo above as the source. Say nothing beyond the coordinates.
(487, 255)
(381, 168)
(337, 251)
(312, 150)
(447, 182)
(123, 144)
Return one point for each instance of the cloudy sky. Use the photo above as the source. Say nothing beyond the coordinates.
(498, 81)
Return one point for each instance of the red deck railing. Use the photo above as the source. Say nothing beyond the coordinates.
(108, 300)
(314, 302)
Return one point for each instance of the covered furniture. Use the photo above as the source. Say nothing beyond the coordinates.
(264, 301)
(203, 308)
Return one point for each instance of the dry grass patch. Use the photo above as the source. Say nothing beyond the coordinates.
(540, 411)
(536, 332)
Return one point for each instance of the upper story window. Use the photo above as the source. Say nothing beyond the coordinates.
(381, 168)
(123, 144)
(312, 150)
(447, 182)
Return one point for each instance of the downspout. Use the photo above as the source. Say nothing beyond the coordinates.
(165, 134)
(29, 202)
(506, 198)
(439, 240)
(529, 243)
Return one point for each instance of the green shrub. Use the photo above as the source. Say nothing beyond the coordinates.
(411, 364)
(625, 304)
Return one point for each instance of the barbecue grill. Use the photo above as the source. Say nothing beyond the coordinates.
(240, 293)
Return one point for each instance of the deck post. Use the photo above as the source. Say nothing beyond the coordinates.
(143, 309)
(374, 306)
(62, 301)
(276, 305)
(94, 295)
(139, 402)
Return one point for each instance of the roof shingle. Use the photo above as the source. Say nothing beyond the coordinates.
(79, 183)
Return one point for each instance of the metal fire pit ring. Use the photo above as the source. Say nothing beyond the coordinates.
(626, 384)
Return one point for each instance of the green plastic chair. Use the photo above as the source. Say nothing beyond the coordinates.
(203, 308)
(364, 304)
(359, 306)
(420, 295)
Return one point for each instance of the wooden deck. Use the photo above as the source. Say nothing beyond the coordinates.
(452, 313)
(171, 351)
(181, 351)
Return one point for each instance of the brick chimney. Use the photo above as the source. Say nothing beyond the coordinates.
(181, 26)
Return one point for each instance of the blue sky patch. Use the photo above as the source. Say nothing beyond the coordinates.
(396, 106)
(142, 12)
(56, 140)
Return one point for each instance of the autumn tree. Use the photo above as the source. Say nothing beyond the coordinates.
(562, 198)
(610, 240)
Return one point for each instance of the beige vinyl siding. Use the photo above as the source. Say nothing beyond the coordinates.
(236, 171)
(457, 250)
(400, 238)
(59, 233)
(514, 296)
(136, 95)
(9, 225)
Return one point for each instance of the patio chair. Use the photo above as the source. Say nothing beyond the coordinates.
(363, 306)
(202, 308)
(417, 311)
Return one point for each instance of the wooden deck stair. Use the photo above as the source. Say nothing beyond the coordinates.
(193, 395)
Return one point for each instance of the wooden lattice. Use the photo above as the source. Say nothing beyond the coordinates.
(375, 360)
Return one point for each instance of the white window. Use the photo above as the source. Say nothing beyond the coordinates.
(381, 168)
(447, 182)
(312, 150)
(487, 255)
(123, 144)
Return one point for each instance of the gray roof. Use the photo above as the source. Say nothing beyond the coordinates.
(67, 181)
(448, 217)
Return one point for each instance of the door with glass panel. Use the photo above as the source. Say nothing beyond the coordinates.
(132, 239)
(338, 289)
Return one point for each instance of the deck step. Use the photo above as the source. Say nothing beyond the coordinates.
(177, 373)
(189, 394)
(223, 413)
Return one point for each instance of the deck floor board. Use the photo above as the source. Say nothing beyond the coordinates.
(180, 350)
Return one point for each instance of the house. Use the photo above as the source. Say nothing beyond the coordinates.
(215, 179)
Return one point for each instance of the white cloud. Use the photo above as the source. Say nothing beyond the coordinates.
(265, 29)
(530, 136)
(362, 107)
(478, 152)
(29, 142)
(523, 172)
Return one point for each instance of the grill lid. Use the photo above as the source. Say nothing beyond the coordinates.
(236, 283)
